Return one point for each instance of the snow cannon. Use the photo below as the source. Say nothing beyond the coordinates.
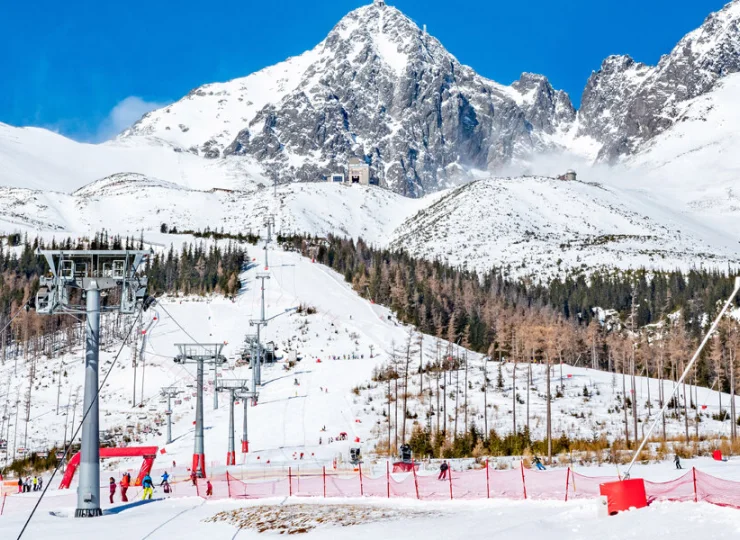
(624, 495)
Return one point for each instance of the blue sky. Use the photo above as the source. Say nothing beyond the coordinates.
(86, 69)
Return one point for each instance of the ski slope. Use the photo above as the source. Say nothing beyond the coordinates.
(289, 418)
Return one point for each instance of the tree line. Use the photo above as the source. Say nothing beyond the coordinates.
(627, 322)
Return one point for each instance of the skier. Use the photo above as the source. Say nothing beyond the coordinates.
(148, 486)
(165, 478)
(41, 482)
(443, 471)
(538, 464)
(112, 487)
(209, 488)
(194, 478)
(20, 485)
(35, 483)
(125, 482)
(677, 461)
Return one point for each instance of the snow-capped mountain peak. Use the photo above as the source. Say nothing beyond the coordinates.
(379, 88)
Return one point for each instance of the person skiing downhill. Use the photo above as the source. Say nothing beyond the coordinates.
(112, 487)
(209, 488)
(677, 461)
(148, 486)
(443, 471)
(165, 479)
(538, 464)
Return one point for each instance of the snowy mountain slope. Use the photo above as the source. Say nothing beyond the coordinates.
(40, 159)
(544, 225)
(530, 224)
(379, 88)
(626, 103)
(131, 203)
(696, 160)
(289, 418)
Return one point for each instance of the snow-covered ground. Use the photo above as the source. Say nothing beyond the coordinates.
(575, 520)
(531, 225)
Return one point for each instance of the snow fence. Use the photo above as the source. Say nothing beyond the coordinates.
(484, 483)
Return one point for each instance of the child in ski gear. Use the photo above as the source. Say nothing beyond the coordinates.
(124, 487)
(112, 487)
(194, 478)
(20, 485)
(209, 488)
(538, 464)
(148, 486)
(677, 461)
(165, 478)
(35, 483)
(443, 471)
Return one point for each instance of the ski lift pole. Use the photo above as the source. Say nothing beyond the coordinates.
(683, 375)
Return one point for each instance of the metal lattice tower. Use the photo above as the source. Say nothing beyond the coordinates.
(170, 392)
(232, 386)
(199, 354)
(91, 272)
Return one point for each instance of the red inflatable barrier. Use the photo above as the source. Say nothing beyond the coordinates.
(624, 495)
(147, 452)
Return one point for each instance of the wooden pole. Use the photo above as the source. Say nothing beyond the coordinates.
(324, 475)
(567, 484)
(696, 497)
(290, 482)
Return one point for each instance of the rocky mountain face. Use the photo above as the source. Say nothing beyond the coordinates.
(382, 89)
(627, 103)
(378, 88)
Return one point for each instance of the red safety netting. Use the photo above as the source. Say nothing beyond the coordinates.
(586, 487)
(507, 484)
(716, 490)
(520, 483)
(680, 489)
(546, 485)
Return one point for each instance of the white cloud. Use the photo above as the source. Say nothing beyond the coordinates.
(123, 115)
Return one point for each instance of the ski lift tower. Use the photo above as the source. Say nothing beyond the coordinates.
(170, 392)
(200, 354)
(88, 276)
(259, 323)
(246, 396)
(232, 386)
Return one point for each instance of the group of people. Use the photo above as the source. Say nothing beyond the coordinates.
(147, 485)
(30, 484)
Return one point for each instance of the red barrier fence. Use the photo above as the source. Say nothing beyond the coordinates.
(521, 483)
(558, 484)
